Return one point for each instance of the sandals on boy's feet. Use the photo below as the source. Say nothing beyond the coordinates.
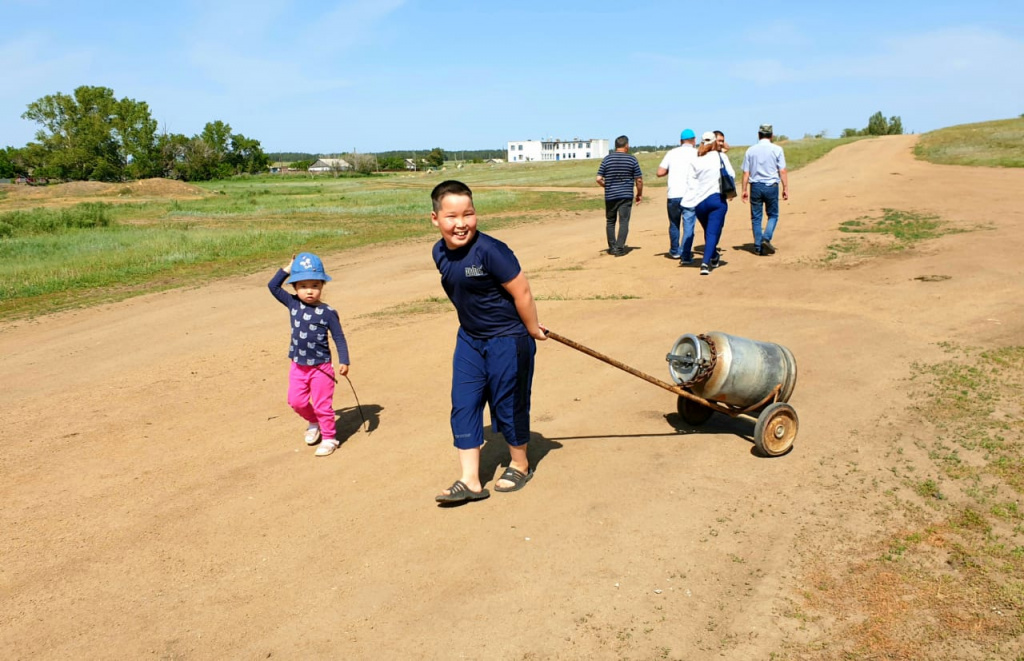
(516, 477)
(458, 492)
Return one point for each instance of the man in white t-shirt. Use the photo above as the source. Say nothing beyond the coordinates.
(675, 165)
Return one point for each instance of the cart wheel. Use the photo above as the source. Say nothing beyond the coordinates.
(693, 413)
(776, 429)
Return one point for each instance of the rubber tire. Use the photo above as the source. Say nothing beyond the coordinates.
(776, 429)
(691, 412)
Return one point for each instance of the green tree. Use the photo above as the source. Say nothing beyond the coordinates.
(135, 132)
(77, 134)
(895, 126)
(7, 167)
(90, 134)
(246, 155)
(300, 165)
(877, 125)
(391, 163)
(170, 148)
(435, 157)
(217, 136)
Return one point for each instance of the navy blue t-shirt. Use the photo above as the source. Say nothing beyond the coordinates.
(472, 277)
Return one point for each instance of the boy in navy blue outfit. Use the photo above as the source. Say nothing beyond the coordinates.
(495, 344)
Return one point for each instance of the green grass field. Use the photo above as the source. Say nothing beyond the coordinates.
(52, 259)
(991, 144)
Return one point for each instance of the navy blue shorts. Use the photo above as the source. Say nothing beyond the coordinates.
(498, 371)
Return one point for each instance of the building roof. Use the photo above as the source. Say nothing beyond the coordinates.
(333, 162)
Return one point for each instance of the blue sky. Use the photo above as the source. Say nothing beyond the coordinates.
(374, 75)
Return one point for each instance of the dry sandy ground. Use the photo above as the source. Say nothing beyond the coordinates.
(158, 500)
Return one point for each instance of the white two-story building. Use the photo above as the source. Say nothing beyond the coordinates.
(521, 151)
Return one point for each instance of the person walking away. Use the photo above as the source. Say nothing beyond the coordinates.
(494, 346)
(676, 166)
(617, 174)
(711, 204)
(764, 168)
(311, 378)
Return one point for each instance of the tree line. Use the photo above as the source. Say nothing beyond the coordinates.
(878, 125)
(92, 135)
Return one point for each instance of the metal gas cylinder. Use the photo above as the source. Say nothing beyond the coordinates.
(730, 369)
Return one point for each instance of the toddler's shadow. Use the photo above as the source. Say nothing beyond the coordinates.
(351, 420)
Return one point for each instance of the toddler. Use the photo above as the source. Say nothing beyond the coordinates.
(311, 378)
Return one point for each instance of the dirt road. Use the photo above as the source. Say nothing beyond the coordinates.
(158, 501)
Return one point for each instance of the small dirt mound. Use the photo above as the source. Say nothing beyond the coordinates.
(72, 189)
(160, 187)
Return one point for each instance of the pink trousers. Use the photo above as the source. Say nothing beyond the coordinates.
(311, 394)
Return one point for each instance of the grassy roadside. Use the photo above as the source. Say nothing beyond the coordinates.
(947, 579)
(70, 256)
(98, 252)
(998, 143)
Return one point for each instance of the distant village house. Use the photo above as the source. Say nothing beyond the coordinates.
(330, 165)
(520, 151)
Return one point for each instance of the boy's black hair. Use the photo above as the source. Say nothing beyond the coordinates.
(450, 187)
(621, 142)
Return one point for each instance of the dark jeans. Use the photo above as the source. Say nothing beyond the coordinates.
(711, 214)
(617, 210)
(768, 196)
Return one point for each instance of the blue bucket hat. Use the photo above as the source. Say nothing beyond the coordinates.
(687, 134)
(307, 266)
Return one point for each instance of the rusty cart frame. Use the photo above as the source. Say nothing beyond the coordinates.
(776, 422)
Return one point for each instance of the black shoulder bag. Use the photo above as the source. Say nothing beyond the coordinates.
(725, 181)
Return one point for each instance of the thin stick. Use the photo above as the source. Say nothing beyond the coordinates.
(366, 427)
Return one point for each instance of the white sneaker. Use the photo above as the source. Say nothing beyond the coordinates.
(312, 435)
(328, 446)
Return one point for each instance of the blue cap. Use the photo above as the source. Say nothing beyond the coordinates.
(307, 266)
(687, 134)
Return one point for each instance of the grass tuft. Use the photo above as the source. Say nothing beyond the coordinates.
(895, 231)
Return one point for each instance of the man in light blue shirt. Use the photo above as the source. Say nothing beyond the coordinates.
(764, 168)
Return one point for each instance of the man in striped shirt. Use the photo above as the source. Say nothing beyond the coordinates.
(618, 172)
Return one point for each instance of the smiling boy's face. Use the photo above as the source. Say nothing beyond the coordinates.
(456, 219)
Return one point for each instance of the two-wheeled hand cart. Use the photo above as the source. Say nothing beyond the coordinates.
(728, 374)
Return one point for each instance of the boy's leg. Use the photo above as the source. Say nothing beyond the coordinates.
(298, 392)
(469, 385)
(321, 384)
(510, 362)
